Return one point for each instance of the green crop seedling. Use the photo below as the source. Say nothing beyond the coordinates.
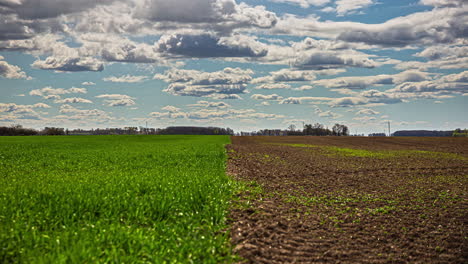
(120, 199)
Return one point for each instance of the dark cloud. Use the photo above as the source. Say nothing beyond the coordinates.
(220, 15)
(41, 9)
(207, 45)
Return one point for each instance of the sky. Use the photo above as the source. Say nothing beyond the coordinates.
(247, 65)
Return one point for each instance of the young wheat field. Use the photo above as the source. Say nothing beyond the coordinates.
(121, 199)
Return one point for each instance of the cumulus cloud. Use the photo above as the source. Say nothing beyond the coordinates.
(55, 93)
(121, 102)
(125, 51)
(286, 75)
(365, 119)
(16, 111)
(304, 87)
(226, 96)
(269, 86)
(448, 84)
(70, 64)
(171, 108)
(367, 112)
(88, 83)
(207, 104)
(215, 114)
(327, 114)
(329, 60)
(117, 99)
(344, 7)
(442, 3)
(219, 15)
(114, 96)
(440, 25)
(300, 100)
(362, 82)
(33, 9)
(73, 100)
(207, 45)
(11, 71)
(304, 3)
(12, 107)
(439, 57)
(126, 79)
(437, 26)
(197, 83)
(74, 113)
(266, 97)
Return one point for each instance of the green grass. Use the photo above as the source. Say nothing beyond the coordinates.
(119, 199)
(380, 154)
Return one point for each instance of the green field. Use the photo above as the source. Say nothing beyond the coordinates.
(122, 199)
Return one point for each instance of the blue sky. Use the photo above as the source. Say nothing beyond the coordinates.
(246, 65)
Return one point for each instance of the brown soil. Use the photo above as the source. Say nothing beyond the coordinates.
(319, 205)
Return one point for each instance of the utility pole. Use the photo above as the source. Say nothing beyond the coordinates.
(389, 133)
(146, 128)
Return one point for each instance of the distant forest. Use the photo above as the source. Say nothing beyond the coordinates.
(428, 133)
(308, 130)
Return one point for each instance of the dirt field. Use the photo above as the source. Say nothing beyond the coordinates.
(350, 199)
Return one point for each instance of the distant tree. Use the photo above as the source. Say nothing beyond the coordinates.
(17, 130)
(53, 131)
(340, 130)
(291, 127)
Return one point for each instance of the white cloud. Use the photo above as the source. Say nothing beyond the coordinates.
(448, 84)
(11, 71)
(120, 102)
(70, 64)
(361, 82)
(266, 97)
(286, 75)
(327, 114)
(197, 83)
(270, 86)
(442, 3)
(215, 114)
(117, 99)
(329, 60)
(15, 111)
(126, 79)
(88, 83)
(365, 119)
(344, 7)
(55, 93)
(440, 25)
(300, 100)
(207, 104)
(73, 100)
(304, 3)
(114, 96)
(367, 112)
(74, 113)
(304, 87)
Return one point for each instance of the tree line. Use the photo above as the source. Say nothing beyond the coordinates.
(18, 130)
(316, 129)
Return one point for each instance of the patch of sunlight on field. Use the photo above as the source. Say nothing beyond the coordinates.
(125, 199)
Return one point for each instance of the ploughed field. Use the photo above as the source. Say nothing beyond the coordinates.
(114, 199)
(350, 199)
